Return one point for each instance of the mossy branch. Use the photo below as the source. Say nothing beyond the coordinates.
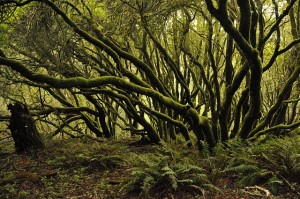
(280, 100)
(66, 123)
(279, 52)
(245, 22)
(16, 3)
(108, 46)
(169, 60)
(278, 21)
(66, 110)
(81, 82)
(152, 134)
(280, 126)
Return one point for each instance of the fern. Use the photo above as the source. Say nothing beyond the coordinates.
(243, 168)
(212, 187)
(275, 184)
(187, 181)
(169, 177)
(259, 177)
(147, 184)
(142, 183)
(105, 162)
(273, 164)
(185, 168)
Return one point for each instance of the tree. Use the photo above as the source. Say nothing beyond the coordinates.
(156, 68)
(23, 129)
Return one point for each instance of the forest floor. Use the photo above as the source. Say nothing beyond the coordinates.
(86, 169)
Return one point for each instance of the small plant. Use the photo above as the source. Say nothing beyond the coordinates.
(251, 174)
(24, 194)
(167, 177)
(273, 164)
(8, 190)
(100, 162)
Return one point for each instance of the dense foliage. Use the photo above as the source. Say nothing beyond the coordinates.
(112, 169)
(159, 68)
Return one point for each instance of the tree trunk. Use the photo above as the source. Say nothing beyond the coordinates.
(23, 129)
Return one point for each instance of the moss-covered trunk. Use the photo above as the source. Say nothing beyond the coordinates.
(23, 129)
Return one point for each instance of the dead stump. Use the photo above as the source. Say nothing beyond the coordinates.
(23, 129)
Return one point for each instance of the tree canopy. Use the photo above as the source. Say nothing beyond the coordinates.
(168, 70)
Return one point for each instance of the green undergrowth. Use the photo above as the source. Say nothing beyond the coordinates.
(113, 169)
(273, 166)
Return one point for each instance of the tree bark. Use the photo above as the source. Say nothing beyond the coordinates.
(23, 129)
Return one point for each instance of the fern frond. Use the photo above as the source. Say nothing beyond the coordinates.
(187, 181)
(212, 187)
(168, 173)
(111, 162)
(137, 172)
(199, 177)
(243, 168)
(196, 188)
(166, 168)
(258, 177)
(147, 184)
(173, 181)
(296, 169)
(185, 169)
(185, 166)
